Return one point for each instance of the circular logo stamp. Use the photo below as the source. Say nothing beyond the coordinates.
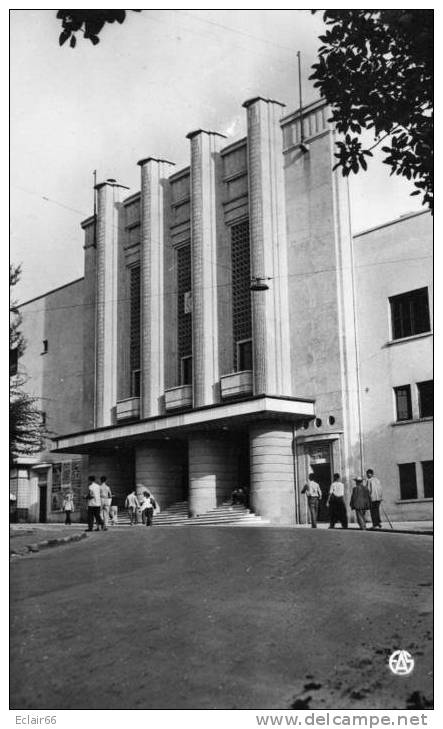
(401, 663)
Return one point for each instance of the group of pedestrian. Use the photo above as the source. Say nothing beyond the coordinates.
(367, 495)
(141, 506)
(99, 498)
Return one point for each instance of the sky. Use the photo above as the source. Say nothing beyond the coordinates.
(149, 82)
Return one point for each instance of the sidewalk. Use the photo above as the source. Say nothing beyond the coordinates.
(404, 527)
(21, 536)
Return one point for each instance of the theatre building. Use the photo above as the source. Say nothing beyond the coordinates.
(229, 331)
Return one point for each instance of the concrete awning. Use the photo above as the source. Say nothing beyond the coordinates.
(213, 417)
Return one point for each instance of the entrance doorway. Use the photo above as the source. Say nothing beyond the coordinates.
(43, 494)
(320, 464)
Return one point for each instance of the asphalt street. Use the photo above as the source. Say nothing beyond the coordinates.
(222, 618)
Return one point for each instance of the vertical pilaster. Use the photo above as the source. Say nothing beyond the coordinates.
(108, 226)
(270, 313)
(204, 179)
(152, 209)
(272, 492)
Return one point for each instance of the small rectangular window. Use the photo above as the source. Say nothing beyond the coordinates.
(408, 481)
(426, 398)
(403, 402)
(186, 371)
(45, 346)
(410, 313)
(43, 417)
(428, 479)
(244, 355)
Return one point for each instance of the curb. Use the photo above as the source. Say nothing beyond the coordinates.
(37, 546)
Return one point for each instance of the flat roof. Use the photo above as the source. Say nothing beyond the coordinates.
(52, 291)
(406, 216)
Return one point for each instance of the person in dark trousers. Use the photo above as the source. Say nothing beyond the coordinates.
(313, 492)
(375, 496)
(94, 504)
(360, 502)
(238, 496)
(336, 503)
(148, 506)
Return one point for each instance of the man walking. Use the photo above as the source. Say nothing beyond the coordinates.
(313, 492)
(94, 504)
(105, 502)
(375, 496)
(336, 503)
(360, 502)
(132, 505)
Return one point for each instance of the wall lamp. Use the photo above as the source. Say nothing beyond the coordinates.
(258, 283)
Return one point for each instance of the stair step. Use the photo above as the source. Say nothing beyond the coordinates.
(224, 515)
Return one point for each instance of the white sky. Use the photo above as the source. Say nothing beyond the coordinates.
(137, 93)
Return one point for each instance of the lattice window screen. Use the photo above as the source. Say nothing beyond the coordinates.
(134, 338)
(241, 281)
(184, 318)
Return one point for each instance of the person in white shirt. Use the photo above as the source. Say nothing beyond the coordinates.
(68, 506)
(313, 492)
(376, 497)
(105, 502)
(336, 503)
(94, 504)
(132, 504)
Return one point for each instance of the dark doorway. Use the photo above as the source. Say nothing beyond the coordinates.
(43, 494)
(322, 474)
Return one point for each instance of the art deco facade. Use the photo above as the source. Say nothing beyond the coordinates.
(191, 382)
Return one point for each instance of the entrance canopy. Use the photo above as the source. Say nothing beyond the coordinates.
(212, 417)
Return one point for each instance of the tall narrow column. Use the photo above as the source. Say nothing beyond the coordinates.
(152, 209)
(108, 224)
(204, 178)
(270, 312)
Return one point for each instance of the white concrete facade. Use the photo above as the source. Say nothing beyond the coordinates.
(316, 393)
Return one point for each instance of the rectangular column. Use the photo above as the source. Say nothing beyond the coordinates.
(204, 181)
(160, 466)
(152, 208)
(270, 313)
(213, 472)
(108, 226)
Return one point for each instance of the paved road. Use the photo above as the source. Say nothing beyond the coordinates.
(221, 618)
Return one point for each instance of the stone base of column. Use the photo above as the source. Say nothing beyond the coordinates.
(272, 493)
(160, 466)
(213, 472)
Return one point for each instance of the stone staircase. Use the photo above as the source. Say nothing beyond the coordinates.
(224, 515)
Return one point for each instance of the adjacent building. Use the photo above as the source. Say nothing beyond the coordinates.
(229, 330)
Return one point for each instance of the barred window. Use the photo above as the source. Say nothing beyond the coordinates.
(241, 294)
(184, 307)
(134, 326)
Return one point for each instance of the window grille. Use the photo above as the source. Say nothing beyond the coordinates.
(134, 325)
(184, 316)
(241, 281)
